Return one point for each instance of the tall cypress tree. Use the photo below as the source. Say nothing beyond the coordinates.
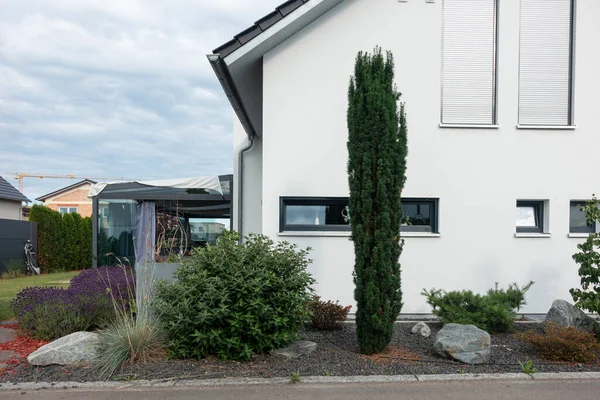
(377, 148)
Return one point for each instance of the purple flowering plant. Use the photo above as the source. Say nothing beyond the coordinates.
(91, 301)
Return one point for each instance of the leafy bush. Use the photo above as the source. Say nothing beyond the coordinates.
(588, 258)
(493, 312)
(327, 315)
(563, 344)
(64, 241)
(234, 300)
(49, 313)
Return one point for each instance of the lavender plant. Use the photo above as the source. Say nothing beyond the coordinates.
(90, 302)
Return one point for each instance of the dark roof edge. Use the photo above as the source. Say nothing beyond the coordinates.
(231, 91)
(259, 27)
(44, 197)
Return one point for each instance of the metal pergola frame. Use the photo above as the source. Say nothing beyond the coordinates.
(191, 203)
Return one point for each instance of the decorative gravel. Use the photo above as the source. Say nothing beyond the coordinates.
(336, 355)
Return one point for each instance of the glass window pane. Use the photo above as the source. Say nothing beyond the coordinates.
(319, 215)
(206, 230)
(73, 209)
(115, 231)
(578, 220)
(416, 217)
(526, 216)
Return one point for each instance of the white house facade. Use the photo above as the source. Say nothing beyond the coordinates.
(501, 100)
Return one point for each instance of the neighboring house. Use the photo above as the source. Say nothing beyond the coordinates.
(501, 100)
(11, 201)
(70, 199)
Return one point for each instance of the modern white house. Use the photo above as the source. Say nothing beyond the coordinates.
(501, 99)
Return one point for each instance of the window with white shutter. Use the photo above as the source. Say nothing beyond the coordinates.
(545, 63)
(469, 63)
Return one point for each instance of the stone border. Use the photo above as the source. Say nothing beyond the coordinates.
(119, 385)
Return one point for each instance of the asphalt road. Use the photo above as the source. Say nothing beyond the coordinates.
(465, 390)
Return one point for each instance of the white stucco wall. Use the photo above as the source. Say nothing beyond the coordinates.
(10, 209)
(252, 208)
(477, 174)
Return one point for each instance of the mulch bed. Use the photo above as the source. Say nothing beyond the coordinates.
(336, 355)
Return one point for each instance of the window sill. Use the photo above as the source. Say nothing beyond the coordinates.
(462, 126)
(532, 235)
(579, 235)
(549, 127)
(419, 234)
(316, 233)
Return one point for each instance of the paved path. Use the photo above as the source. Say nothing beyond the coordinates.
(465, 390)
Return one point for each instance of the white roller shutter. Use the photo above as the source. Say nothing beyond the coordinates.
(469, 62)
(545, 63)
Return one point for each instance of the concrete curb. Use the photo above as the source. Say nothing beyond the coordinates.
(30, 386)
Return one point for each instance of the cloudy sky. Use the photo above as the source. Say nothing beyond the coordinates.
(115, 88)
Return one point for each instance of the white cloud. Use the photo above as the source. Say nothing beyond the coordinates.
(115, 88)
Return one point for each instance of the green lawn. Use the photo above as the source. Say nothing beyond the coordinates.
(10, 287)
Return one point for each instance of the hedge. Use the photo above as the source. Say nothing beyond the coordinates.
(64, 241)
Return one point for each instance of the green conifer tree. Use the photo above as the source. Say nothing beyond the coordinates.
(377, 148)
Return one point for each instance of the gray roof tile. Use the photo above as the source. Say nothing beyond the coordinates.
(9, 192)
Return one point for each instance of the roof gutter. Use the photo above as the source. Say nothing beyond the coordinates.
(231, 91)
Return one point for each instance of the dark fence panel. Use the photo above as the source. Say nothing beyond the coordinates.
(13, 236)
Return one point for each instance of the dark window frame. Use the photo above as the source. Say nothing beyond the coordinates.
(539, 214)
(309, 201)
(320, 201)
(433, 204)
(591, 228)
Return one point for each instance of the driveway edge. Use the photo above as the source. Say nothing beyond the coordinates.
(118, 385)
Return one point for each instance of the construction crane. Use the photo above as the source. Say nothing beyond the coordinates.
(20, 175)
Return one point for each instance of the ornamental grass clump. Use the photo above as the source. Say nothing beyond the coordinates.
(234, 300)
(49, 313)
(133, 336)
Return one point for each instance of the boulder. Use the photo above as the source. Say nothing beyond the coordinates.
(296, 349)
(465, 343)
(422, 329)
(78, 347)
(566, 314)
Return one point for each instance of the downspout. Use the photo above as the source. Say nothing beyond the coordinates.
(231, 91)
(240, 184)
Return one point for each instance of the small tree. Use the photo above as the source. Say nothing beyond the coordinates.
(588, 258)
(376, 173)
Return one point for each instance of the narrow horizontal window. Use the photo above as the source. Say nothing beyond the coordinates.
(578, 222)
(314, 214)
(332, 214)
(530, 216)
(419, 215)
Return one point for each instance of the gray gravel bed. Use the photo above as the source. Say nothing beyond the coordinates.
(336, 355)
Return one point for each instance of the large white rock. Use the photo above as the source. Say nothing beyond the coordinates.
(78, 347)
(465, 343)
(422, 329)
(566, 314)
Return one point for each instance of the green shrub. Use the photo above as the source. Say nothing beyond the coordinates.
(588, 258)
(493, 312)
(377, 149)
(327, 315)
(563, 344)
(64, 241)
(234, 300)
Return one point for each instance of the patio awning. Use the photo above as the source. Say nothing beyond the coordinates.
(197, 185)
